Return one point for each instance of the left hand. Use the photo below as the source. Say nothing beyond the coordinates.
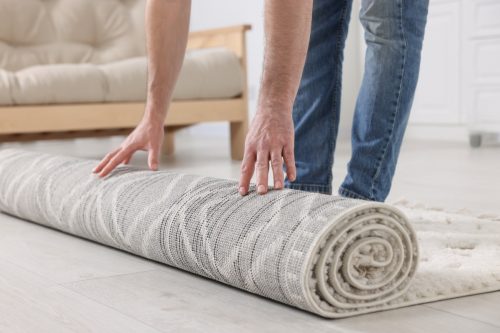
(148, 136)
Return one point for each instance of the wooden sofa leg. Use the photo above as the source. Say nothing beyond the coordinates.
(169, 143)
(238, 134)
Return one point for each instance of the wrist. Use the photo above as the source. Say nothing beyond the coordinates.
(153, 116)
(278, 94)
(274, 107)
(156, 107)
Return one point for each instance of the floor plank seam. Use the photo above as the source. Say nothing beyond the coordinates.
(111, 308)
(53, 283)
(461, 316)
(63, 284)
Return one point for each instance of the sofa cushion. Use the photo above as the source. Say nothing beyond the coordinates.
(206, 73)
(40, 32)
(62, 83)
(92, 51)
(5, 94)
(210, 73)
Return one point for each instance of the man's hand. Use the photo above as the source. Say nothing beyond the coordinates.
(270, 140)
(148, 135)
(167, 26)
(271, 137)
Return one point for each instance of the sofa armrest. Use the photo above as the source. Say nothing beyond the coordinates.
(232, 38)
(221, 31)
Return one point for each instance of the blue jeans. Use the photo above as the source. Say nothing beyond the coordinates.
(394, 31)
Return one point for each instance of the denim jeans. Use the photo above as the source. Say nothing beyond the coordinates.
(394, 31)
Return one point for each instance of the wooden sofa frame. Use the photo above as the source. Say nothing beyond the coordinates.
(42, 122)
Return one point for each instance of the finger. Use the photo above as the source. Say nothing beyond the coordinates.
(262, 171)
(105, 161)
(128, 156)
(247, 169)
(289, 157)
(127, 159)
(115, 161)
(153, 158)
(277, 167)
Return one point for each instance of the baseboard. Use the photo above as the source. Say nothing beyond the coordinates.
(454, 133)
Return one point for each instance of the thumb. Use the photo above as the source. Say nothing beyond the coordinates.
(153, 158)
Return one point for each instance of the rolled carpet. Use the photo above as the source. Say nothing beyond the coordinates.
(332, 256)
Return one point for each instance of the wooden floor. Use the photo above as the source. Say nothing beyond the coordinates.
(52, 282)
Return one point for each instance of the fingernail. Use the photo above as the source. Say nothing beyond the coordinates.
(261, 189)
(278, 185)
(242, 190)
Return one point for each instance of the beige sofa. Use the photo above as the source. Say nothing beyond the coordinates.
(78, 68)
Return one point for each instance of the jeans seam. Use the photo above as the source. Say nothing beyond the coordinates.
(317, 188)
(398, 103)
(350, 194)
(306, 184)
(336, 93)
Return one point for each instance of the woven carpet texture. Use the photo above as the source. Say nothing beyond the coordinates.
(332, 256)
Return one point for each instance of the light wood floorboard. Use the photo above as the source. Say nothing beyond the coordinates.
(30, 303)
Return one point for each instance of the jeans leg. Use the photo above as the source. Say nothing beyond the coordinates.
(316, 108)
(394, 31)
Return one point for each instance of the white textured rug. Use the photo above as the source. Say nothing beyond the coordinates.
(459, 252)
(332, 256)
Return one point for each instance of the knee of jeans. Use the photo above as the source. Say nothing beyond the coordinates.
(381, 21)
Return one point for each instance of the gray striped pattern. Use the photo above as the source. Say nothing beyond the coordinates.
(329, 255)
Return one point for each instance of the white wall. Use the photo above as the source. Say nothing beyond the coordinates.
(219, 13)
(459, 87)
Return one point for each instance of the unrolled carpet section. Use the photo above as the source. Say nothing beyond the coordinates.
(332, 256)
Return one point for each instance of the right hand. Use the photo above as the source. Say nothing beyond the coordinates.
(270, 140)
(148, 136)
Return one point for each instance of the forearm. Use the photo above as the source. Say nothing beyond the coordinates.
(167, 28)
(288, 26)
